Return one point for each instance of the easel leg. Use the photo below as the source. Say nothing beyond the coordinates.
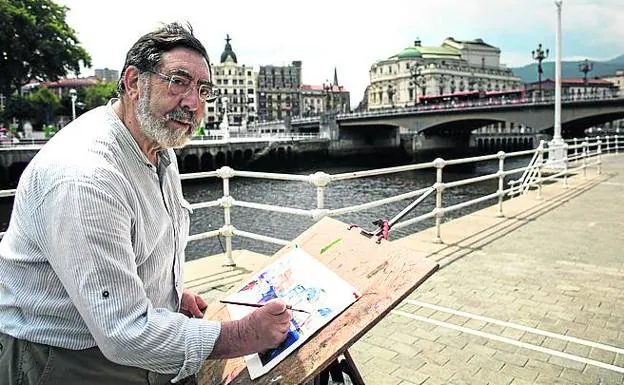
(348, 366)
(336, 374)
(337, 369)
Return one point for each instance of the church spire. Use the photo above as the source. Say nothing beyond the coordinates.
(335, 77)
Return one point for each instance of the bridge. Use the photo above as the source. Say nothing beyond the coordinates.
(576, 116)
(446, 127)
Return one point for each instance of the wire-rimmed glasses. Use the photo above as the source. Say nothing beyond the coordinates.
(181, 85)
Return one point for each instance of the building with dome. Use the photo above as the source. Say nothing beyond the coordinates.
(454, 68)
(237, 84)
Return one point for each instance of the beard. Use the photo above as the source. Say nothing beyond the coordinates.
(155, 128)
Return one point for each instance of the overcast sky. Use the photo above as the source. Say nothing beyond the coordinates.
(347, 34)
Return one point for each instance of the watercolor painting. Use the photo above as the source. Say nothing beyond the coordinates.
(302, 282)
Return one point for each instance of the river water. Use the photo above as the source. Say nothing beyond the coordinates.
(338, 194)
(303, 195)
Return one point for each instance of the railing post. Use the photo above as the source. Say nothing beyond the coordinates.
(501, 181)
(320, 180)
(575, 152)
(226, 202)
(617, 149)
(565, 167)
(607, 144)
(439, 185)
(599, 162)
(540, 164)
(585, 146)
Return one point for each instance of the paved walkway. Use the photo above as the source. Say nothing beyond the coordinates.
(534, 297)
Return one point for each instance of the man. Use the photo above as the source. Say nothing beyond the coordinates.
(91, 264)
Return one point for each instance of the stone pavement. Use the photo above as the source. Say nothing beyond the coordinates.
(557, 267)
(534, 297)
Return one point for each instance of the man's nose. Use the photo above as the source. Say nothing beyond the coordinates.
(191, 100)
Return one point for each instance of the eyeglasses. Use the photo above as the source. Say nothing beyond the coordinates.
(181, 85)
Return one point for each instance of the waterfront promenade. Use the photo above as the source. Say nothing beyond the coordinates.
(531, 297)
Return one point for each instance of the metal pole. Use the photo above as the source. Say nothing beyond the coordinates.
(584, 160)
(439, 165)
(557, 134)
(540, 164)
(501, 181)
(599, 162)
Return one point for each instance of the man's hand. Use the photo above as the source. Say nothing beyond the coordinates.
(260, 330)
(192, 305)
(266, 327)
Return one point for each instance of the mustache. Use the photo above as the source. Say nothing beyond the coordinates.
(181, 114)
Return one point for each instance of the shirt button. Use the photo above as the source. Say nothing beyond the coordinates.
(105, 294)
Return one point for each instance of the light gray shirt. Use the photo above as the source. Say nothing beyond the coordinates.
(94, 251)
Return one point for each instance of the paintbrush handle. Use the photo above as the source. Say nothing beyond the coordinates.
(289, 307)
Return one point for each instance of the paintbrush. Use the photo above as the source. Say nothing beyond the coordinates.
(289, 307)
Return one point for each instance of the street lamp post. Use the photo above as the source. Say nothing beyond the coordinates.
(557, 147)
(539, 54)
(73, 95)
(585, 67)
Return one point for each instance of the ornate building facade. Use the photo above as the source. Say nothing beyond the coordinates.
(452, 68)
(237, 84)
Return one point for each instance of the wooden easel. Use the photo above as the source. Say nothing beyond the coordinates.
(384, 274)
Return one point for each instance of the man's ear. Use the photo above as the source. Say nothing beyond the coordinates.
(131, 82)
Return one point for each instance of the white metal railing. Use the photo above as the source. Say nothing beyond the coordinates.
(580, 156)
(242, 137)
(519, 185)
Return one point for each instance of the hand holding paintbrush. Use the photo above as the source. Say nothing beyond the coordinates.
(289, 307)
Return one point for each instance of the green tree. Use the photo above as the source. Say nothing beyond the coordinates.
(19, 107)
(99, 94)
(36, 43)
(45, 106)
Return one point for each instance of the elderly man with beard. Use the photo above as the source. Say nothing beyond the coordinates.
(91, 264)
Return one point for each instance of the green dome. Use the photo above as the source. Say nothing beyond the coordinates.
(228, 51)
(409, 52)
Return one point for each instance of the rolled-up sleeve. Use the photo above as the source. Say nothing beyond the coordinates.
(86, 233)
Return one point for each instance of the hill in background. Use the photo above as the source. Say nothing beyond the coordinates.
(569, 69)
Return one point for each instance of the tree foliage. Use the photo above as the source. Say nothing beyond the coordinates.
(36, 43)
(45, 106)
(40, 107)
(99, 94)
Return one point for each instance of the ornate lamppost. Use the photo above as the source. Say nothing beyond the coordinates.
(539, 54)
(585, 67)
